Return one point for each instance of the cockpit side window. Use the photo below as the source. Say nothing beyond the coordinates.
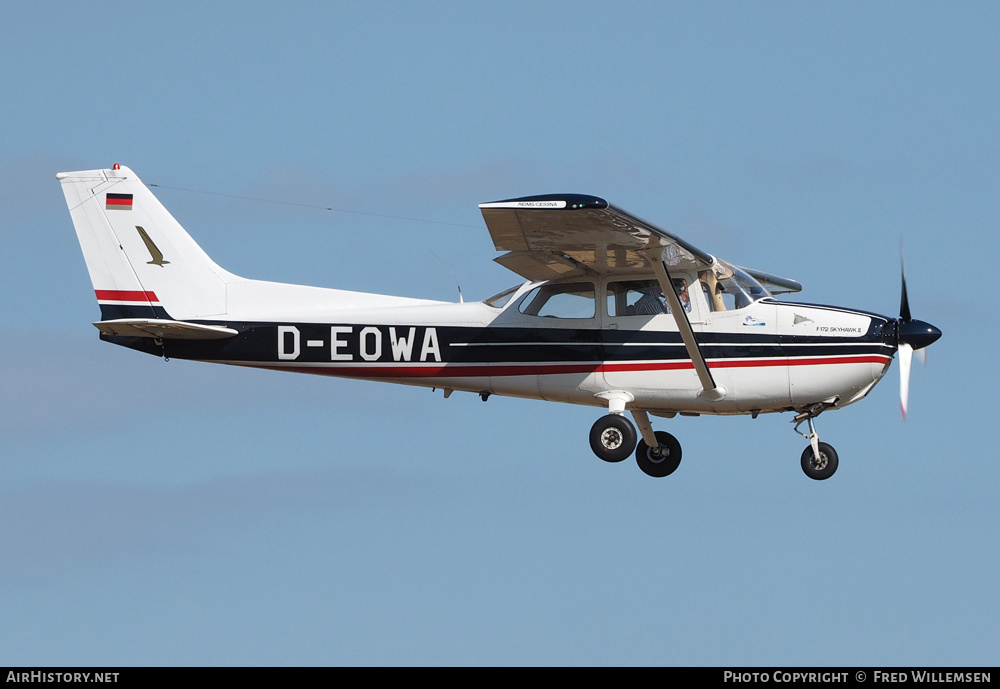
(643, 297)
(560, 300)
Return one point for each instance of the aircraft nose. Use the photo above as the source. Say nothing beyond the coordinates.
(917, 334)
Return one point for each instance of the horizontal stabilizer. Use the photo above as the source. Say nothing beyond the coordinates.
(163, 329)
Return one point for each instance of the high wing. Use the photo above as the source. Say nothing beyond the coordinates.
(569, 235)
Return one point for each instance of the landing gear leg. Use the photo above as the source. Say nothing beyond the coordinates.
(819, 460)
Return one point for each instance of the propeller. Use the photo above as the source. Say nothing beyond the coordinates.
(905, 359)
(911, 335)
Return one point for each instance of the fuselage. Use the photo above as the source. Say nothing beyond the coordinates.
(769, 355)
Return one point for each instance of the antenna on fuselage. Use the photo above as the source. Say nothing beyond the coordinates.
(461, 299)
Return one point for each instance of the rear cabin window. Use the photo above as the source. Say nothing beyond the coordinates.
(498, 301)
(560, 300)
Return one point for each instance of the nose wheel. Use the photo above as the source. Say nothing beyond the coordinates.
(819, 460)
(819, 466)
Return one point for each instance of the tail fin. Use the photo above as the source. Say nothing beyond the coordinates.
(142, 263)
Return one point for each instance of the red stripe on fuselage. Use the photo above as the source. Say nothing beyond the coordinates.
(482, 370)
(124, 295)
(744, 363)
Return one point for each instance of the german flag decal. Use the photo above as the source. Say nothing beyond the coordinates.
(118, 202)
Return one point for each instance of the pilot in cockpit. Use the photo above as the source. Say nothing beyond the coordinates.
(681, 287)
(652, 301)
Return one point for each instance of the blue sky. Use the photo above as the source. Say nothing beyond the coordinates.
(180, 513)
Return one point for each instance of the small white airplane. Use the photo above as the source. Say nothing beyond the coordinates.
(615, 313)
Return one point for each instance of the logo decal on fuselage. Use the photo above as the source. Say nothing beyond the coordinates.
(154, 252)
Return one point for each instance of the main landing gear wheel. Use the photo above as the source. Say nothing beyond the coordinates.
(612, 438)
(662, 461)
(822, 468)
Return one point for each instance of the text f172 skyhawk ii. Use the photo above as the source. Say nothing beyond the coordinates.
(616, 313)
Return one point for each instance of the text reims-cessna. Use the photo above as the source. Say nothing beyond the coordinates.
(616, 313)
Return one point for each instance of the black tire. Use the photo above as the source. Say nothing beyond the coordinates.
(825, 467)
(612, 438)
(664, 460)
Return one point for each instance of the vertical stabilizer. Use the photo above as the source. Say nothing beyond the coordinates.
(142, 263)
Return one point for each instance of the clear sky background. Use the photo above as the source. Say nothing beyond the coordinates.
(182, 513)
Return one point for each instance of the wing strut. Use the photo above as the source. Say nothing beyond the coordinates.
(710, 391)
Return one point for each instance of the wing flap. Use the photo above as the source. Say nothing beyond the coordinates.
(542, 265)
(163, 329)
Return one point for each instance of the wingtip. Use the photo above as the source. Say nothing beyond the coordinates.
(548, 202)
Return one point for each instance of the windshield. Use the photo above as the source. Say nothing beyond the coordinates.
(739, 289)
